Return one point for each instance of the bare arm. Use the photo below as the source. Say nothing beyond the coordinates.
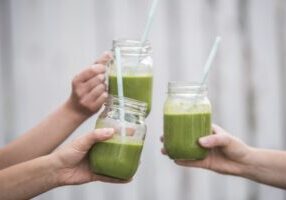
(229, 155)
(267, 166)
(43, 138)
(88, 95)
(28, 179)
(67, 166)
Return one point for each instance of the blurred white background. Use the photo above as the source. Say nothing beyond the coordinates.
(43, 44)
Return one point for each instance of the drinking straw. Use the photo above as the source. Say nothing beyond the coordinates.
(149, 21)
(210, 59)
(120, 90)
(148, 25)
(208, 65)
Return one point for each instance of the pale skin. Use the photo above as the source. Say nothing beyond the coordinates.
(66, 166)
(87, 96)
(27, 165)
(229, 155)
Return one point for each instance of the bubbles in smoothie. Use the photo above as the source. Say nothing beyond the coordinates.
(187, 105)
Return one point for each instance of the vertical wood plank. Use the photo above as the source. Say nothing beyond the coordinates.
(147, 177)
(52, 43)
(170, 184)
(195, 40)
(211, 24)
(233, 93)
(281, 26)
(1, 103)
(248, 83)
(7, 126)
(166, 173)
(266, 77)
(2, 17)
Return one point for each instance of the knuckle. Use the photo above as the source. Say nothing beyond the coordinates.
(98, 90)
(93, 70)
(83, 102)
(215, 140)
(78, 145)
(224, 140)
(97, 136)
(94, 108)
(101, 68)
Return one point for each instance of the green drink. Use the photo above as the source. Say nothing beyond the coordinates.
(137, 87)
(137, 70)
(119, 156)
(187, 117)
(181, 134)
(116, 158)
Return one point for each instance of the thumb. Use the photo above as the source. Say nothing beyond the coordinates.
(84, 143)
(217, 140)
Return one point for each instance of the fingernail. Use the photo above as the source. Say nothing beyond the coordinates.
(204, 141)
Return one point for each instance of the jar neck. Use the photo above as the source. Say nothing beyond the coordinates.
(131, 106)
(187, 89)
(132, 47)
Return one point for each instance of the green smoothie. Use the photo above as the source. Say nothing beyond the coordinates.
(181, 134)
(135, 87)
(116, 158)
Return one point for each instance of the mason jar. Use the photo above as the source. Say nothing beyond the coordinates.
(187, 117)
(137, 70)
(119, 156)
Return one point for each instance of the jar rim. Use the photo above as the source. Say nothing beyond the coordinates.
(186, 87)
(132, 47)
(131, 42)
(130, 105)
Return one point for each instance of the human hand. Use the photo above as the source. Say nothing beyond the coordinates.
(72, 163)
(89, 88)
(227, 155)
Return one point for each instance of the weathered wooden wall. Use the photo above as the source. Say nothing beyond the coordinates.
(44, 43)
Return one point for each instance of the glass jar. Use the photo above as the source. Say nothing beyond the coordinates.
(187, 117)
(137, 70)
(119, 156)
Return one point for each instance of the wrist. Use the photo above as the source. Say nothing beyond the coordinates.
(51, 171)
(55, 169)
(249, 166)
(75, 112)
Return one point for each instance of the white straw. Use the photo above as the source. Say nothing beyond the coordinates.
(210, 59)
(150, 20)
(120, 90)
(208, 65)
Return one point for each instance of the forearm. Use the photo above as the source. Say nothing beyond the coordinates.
(43, 138)
(28, 179)
(267, 166)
